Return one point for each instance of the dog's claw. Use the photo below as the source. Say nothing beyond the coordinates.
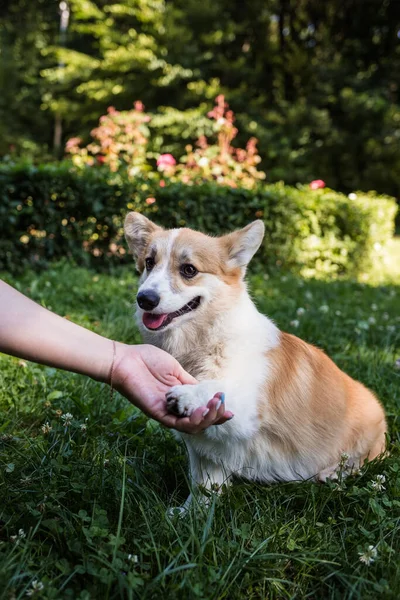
(173, 405)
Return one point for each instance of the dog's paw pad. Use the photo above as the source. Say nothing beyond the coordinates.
(179, 402)
(173, 407)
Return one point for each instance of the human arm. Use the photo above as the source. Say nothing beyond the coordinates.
(143, 374)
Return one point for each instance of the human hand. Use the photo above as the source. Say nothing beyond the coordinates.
(144, 373)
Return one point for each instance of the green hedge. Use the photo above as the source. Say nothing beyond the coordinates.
(54, 211)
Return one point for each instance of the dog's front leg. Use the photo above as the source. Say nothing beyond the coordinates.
(182, 400)
(206, 478)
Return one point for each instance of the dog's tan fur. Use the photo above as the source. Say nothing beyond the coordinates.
(313, 404)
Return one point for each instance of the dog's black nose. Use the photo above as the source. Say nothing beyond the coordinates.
(148, 299)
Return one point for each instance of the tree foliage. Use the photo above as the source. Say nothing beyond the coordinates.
(316, 82)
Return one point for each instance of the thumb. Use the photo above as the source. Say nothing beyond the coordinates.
(184, 377)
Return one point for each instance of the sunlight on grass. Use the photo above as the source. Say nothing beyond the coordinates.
(389, 269)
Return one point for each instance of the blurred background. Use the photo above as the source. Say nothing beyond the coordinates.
(316, 82)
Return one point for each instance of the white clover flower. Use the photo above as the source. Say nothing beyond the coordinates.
(295, 323)
(21, 535)
(324, 308)
(37, 586)
(378, 482)
(369, 555)
(352, 196)
(385, 316)
(83, 428)
(391, 328)
(284, 278)
(374, 307)
(308, 295)
(372, 320)
(397, 363)
(66, 419)
(46, 428)
(300, 311)
(133, 558)
(343, 462)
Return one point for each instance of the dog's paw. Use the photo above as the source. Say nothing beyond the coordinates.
(182, 400)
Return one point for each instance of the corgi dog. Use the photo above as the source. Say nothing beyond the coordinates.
(296, 413)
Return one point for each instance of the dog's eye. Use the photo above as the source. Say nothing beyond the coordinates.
(149, 263)
(188, 271)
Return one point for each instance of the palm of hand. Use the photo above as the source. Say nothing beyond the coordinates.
(144, 374)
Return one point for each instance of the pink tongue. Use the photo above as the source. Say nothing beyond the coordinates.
(153, 321)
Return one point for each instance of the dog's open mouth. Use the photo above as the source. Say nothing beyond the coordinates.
(156, 322)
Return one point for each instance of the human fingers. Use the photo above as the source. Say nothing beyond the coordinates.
(222, 415)
(213, 414)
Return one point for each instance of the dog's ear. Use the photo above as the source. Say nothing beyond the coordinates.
(138, 230)
(244, 243)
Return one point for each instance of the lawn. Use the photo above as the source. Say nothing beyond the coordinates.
(83, 501)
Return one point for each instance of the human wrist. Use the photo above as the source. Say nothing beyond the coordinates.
(101, 361)
(121, 365)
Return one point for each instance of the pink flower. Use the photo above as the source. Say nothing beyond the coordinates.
(165, 161)
(72, 143)
(138, 105)
(162, 183)
(112, 110)
(150, 200)
(317, 184)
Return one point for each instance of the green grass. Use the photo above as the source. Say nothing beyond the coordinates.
(93, 504)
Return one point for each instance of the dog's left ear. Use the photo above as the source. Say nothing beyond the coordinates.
(244, 243)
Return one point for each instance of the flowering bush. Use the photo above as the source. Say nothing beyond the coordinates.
(220, 162)
(120, 140)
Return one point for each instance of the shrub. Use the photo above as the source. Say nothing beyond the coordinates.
(55, 211)
(220, 161)
(121, 139)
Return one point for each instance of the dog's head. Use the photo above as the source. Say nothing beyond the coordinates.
(183, 271)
